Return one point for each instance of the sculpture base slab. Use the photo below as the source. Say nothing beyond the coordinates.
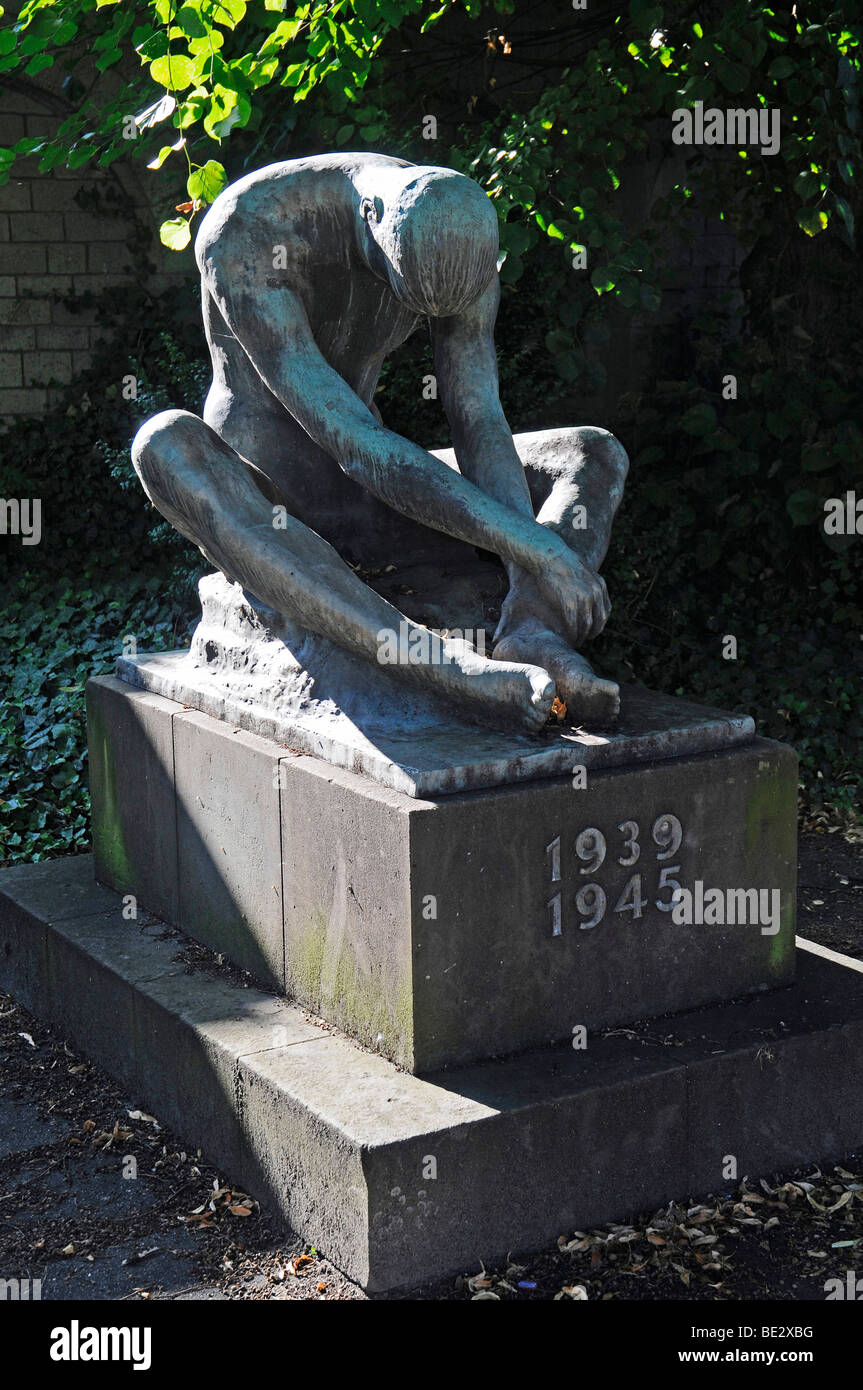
(446, 929)
(257, 671)
(398, 1179)
(433, 759)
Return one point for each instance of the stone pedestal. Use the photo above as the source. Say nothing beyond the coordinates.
(445, 930)
(512, 946)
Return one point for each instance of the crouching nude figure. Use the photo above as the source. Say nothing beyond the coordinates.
(313, 271)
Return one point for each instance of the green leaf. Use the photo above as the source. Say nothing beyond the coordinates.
(517, 238)
(227, 109)
(39, 63)
(817, 459)
(228, 13)
(175, 234)
(511, 270)
(191, 23)
(205, 184)
(602, 279)
(160, 157)
(734, 76)
(778, 426)
(65, 776)
(154, 46)
(173, 71)
(79, 155)
(812, 220)
(281, 35)
(214, 40)
(781, 67)
(569, 366)
(845, 212)
(192, 108)
(652, 454)
(434, 17)
(645, 13)
(108, 59)
(50, 159)
(807, 184)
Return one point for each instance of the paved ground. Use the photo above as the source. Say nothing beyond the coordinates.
(99, 1202)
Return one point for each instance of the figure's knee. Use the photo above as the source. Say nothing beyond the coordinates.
(572, 456)
(161, 439)
(176, 456)
(603, 452)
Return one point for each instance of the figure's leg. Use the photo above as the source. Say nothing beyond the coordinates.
(205, 489)
(576, 478)
(570, 469)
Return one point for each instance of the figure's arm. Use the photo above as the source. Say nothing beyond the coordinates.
(466, 369)
(271, 324)
(274, 331)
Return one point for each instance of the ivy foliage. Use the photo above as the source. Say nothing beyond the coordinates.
(71, 603)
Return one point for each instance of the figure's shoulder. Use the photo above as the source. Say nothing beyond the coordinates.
(300, 199)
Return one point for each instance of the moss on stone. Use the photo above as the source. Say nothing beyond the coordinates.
(112, 855)
(328, 980)
(766, 810)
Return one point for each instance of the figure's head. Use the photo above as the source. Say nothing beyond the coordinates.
(432, 234)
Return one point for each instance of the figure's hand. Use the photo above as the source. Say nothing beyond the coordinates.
(579, 595)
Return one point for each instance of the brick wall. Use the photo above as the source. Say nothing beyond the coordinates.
(53, 243)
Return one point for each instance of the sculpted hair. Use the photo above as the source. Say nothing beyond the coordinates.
(439, 236)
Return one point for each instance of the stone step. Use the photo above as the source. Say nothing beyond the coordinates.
(400, 1179)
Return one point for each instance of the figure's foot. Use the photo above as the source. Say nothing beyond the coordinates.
(497, 692)
(588, 697)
